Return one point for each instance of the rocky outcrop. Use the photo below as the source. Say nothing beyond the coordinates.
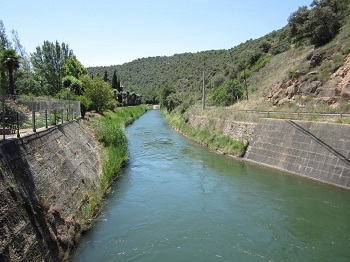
(332, 91)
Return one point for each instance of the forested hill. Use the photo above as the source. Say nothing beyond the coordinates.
(316, 40)
(185, 71)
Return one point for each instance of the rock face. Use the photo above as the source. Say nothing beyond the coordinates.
(45, 178)
(335, 89)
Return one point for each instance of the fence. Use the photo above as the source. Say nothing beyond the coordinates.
(20, 113)
(255, 115)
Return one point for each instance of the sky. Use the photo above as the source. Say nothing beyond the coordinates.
(112, 32)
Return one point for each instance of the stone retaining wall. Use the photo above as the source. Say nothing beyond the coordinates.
(45, 178)
(233, 129)
(319, 151)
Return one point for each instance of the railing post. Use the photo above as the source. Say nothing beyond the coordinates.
(46, 118)
(62, 116)
(54, 116)
(33, 117)
(17, 120)
(3, 116)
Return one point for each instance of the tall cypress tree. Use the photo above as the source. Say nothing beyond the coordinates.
(105, 76)
(115, 80)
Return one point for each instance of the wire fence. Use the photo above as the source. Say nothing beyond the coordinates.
(23, 114)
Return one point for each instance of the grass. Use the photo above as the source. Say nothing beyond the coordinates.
(110, 131)
(207, 137)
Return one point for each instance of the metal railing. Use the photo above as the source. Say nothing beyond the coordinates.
(19, 113)
(255, 115)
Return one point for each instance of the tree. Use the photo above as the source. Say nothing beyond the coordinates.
(74, 85)
(84, 105)
(72, 67)
(320, 24)
(164, 93)
(10, 62)
(98, 91)
(4, 44)
(48, 62)
(297, 22)
(115, 80)
(105, 76)
(324, 24)
(226, 94)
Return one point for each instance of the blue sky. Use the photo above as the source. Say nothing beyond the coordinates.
(110, 32)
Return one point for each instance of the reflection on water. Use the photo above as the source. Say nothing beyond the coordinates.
(179, 202)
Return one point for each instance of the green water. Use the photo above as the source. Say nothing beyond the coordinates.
(178, 202)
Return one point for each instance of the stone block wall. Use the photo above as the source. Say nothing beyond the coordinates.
(319, 151)
(233, 129)
(44, 179)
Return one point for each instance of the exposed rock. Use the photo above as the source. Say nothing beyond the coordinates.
(291, 91)
(316, 60)
(309, 87)
(277, 96)
(283, 101)
(309, 56)
(327, 91)
(335, 89)
(345, 93)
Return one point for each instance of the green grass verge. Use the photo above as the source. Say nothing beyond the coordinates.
(209, 138)
(110, 130)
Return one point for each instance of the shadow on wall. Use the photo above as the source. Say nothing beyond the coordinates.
(320, 142)
(26, 228)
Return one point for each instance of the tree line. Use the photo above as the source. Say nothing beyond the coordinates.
(53, 70)
(173, 81)
(176, 81)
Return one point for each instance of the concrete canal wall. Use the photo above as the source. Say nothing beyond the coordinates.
(319, 151)
(44, 179)
(315, 150)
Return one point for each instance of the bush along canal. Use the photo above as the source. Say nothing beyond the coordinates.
(177, 201)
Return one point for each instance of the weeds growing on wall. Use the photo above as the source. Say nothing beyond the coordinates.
(209, 138)
(110, 130)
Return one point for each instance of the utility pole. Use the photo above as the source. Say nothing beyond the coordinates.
(203, 97)
(245, 83)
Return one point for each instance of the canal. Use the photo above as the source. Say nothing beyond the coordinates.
(176, 201)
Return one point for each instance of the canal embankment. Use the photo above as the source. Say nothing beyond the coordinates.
(53, 182)
(316, 150)
(45, 178)
(319, 151)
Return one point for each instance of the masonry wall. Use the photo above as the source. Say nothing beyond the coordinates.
(319, 151)
(45, 178)
(231, 128)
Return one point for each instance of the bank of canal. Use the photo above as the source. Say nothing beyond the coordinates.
(178, 202)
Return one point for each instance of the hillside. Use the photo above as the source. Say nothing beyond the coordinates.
(281, 69)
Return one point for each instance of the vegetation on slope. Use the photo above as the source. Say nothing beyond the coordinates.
(311, 47)
(110, 132)
(214, 140)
